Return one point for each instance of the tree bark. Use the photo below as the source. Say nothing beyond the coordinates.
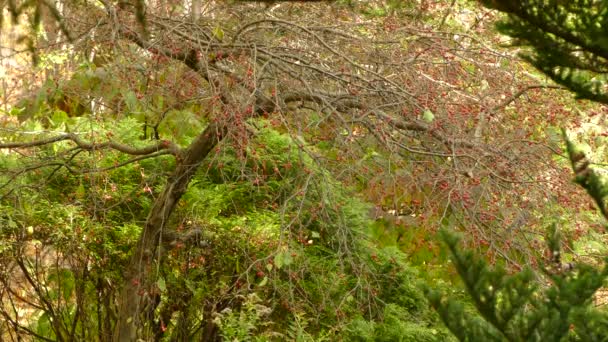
(136, 293)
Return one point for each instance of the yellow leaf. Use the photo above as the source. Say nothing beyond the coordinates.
(218, 33)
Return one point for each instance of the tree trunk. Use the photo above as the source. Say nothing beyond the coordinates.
(136, 293)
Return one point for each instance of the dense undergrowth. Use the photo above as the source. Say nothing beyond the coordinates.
(288, 254)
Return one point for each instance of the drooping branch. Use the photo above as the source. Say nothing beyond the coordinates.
(483, 116)
(189, 58)
(164, 145)
(130, 161)
(346, 102)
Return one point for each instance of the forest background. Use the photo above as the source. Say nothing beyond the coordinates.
(273, 170)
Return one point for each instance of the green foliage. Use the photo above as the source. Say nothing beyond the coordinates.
(586, 176)
(568, 40)
(314, 271)
(373, 9)
(395, 326)
(240, 325)
(266, 244)
(516, 308)
(405, 315)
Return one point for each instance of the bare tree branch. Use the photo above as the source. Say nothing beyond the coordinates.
(165, 145)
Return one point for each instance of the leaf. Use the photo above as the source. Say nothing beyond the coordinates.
(218, 33)
(160, 101)
(484, 85)
(59, 117)
(43, 324)
(162, 286)
(315, 235)
(263, 282)
(67, 284)
(428, 116)
(282, 259)
(190, 285)
(16, 111)
(131, 100)
(278, 260)
(468, 67)
(80, 191)
(287, 259)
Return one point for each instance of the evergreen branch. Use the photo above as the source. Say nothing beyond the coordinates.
(586, 176)
(536, 14)
(568, 45)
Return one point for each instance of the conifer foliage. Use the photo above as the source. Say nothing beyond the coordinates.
(568, 39)
(516, 307)
(587, 177)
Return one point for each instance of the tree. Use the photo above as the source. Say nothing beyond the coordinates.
(513, 307)
(565, 42)
(416, 120)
